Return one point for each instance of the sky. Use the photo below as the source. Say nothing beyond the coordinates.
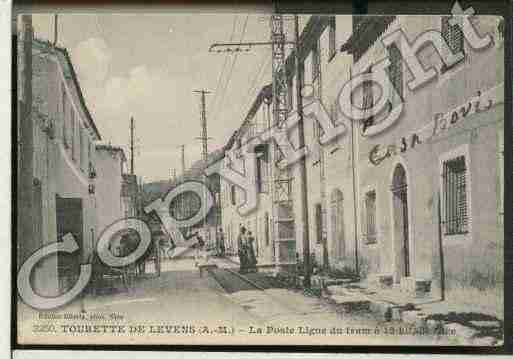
(147, 66)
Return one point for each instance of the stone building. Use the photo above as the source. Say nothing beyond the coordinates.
(373, 192)
(430, 159)
(258, 119)
(57, 165)
(109, 170)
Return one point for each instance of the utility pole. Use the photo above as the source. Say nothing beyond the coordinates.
(204, 136)
(132, 128)
(204, 139)
(25, 145)
(281, 191)
(55, 28)
(304, 182)
(183, 158)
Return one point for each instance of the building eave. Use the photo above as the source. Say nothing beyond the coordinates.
(65, 60)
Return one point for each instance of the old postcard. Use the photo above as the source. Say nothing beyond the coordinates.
(258, 179)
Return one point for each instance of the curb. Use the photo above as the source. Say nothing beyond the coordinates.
(409, 314)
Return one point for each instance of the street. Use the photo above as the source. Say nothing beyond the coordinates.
(180, 307)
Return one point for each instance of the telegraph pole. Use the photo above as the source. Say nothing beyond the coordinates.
(204, 136)
(204, 139)
(281, 191)
(55, 28)
(132, 127)
(303, 179)
(183, 158)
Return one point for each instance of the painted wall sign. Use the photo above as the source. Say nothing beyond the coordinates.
(440, 123)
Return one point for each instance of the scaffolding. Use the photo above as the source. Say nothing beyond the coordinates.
(283, 210)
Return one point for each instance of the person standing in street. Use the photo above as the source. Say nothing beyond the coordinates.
(221, 242)
(252, 261)
(198, 247)
(241, 241)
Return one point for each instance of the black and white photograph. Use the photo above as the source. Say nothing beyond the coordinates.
(260, 179)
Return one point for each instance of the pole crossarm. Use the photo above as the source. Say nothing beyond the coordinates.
(243, 46)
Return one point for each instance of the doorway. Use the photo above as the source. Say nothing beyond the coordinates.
(401, 224)
(69, 216)
(337, 227)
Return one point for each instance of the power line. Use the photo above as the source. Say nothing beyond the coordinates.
(216, 93)
(182, 147)
(101, 34)
(256, 80)
(132, 128)
(231, 68)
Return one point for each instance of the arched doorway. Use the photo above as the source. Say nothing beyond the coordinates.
(337, 225)
(400, 221)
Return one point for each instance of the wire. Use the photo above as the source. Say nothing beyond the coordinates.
(101, 34)
(216, 92)
(256, 80)
(231, 68)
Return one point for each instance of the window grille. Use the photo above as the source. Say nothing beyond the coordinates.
(455, 196)
(370, 208)
(452, 34)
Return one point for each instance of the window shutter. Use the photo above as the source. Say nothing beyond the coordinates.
(395, 69)
(368, 101)
(318, 222)
(332, 37)
(370, 207)
(455, 196)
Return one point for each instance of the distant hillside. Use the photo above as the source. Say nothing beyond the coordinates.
(158, 189)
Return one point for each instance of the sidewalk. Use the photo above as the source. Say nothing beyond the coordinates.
(478, 325)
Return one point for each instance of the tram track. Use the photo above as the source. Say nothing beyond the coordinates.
(232, 282)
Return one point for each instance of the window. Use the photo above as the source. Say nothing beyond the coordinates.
(332, 38)
(290, 91)
(366, 30)
(395, 70)
(81, 147)
(370, 216)
(267, 229)
(455, 216)
(500, 29)
(316, 146)
(232, 195)
(318, 222)
(261, 173)
(367, 101)
(453, 35)
(64, 124)
(72, 134)
(501, 179)
(316, 62)
(89, 153)
(307, 69)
